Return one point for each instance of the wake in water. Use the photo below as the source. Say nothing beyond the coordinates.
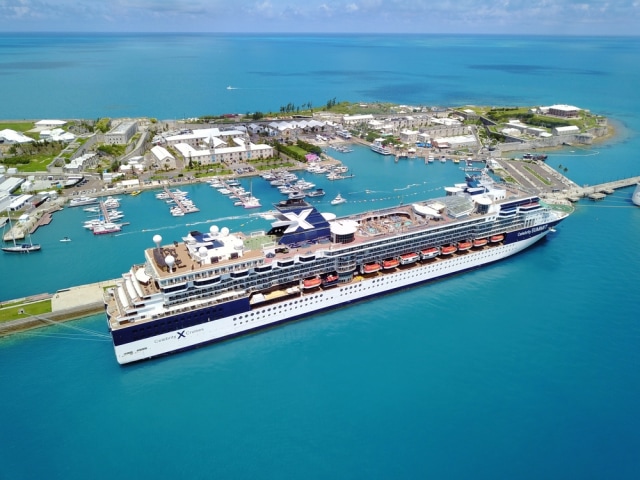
(411, 185)
(572, 154)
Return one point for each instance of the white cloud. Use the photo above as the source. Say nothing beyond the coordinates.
(376, 16)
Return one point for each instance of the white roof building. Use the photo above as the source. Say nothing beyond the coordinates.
(11, 136)
(190, 153)
(456, 141)
(57, 135)
(568, 130)
(351, 119)
(161, 154)
(50, 123)
(11, 184)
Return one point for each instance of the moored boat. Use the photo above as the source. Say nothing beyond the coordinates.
(106, 228)
(378, 147)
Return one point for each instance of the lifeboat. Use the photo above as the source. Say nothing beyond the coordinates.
(448, 250)
(390, 263)
(330, 280)
(408, 258)
(430, 252)
(465, 245)
(480, 242)
(372, 267)
(496, 238)
(311, 282)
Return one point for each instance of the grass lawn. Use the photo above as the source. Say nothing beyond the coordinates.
(17, 126)
(37, 163)
(36, 308)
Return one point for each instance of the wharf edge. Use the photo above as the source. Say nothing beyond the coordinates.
(67, 304)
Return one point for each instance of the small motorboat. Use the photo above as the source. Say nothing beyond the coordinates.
(65, 239)
(338, 200)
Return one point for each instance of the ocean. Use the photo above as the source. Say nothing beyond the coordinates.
(526, 368)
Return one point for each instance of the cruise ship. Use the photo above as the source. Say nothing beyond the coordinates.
(218, 284)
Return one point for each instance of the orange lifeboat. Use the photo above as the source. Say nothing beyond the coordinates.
(330, 280)
(390, 263)
(465, 245)
(480, 242)
(430, 252)
(372, 267)
(311, 282)
(496, 238)
(408, 258)
(448, 250)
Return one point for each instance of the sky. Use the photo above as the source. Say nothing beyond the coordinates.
(542, 17)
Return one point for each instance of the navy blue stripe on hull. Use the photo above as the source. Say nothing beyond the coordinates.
(311, 314)
(180, 321)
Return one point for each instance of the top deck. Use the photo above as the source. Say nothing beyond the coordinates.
(365, 226)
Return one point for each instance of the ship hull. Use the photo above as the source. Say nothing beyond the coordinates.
(246, 318)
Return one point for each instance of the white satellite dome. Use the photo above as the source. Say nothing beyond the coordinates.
(203, 252)
(224, 231)
(170, 261)
(213, 229)
(157, 239)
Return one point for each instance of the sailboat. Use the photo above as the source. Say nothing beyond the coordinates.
(20, 247)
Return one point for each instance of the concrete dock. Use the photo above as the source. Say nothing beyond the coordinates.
(67, 304)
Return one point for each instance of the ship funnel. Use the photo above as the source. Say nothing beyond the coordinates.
(482, 204)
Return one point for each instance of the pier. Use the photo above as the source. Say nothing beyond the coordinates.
(44, 220)
(551, 184)
(105, 212)
(182, 206)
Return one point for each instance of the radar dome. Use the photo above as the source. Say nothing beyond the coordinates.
(170, 261)
(157, 239)
(224, 231)
(203, 252)
(213, 229)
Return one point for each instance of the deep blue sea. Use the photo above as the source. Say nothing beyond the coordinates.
(525, 369)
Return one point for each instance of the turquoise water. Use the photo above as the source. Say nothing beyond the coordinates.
(524, 369)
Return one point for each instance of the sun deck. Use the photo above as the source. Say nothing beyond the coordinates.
(372, 225)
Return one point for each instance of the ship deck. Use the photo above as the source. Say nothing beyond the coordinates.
(371, 225)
